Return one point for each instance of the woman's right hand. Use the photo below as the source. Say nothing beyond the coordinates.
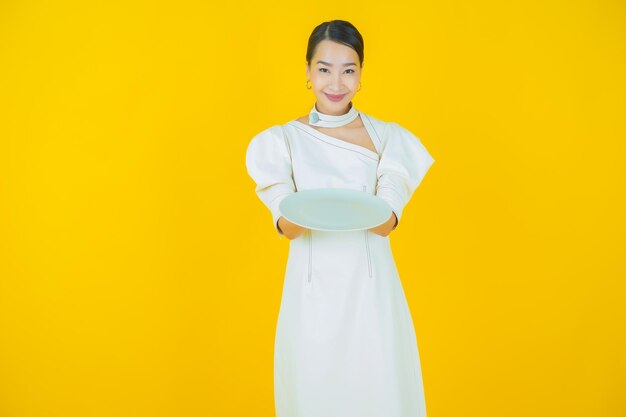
(290, 230)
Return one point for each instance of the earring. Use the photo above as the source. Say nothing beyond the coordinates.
(359, 86)
(307, 84)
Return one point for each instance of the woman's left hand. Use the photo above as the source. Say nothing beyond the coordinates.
(385, 228)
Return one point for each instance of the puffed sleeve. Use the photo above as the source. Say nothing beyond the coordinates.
(268, 162)
(403, 164)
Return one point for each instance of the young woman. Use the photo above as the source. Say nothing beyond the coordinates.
(345, 344)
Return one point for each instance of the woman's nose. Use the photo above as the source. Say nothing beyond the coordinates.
(336, 83)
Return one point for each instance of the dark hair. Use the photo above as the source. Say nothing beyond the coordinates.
(339, 31)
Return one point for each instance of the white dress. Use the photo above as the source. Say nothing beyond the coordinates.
(345, 344)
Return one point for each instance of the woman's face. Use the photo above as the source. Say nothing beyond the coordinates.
(334, 70)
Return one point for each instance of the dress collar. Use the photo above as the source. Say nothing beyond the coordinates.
(317, 118)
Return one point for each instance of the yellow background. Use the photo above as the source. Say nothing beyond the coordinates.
(140, 275)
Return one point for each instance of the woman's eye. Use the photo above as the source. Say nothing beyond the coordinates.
(324, 70)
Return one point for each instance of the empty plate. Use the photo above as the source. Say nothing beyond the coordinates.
(335, 209)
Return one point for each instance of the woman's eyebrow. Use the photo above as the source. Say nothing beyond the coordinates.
(330, 65)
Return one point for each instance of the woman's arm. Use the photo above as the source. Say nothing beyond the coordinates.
(385, 228)
(288, 229)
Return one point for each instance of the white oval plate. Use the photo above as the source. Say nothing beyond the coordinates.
(335, 209)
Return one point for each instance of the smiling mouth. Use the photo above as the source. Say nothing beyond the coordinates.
(335, 96)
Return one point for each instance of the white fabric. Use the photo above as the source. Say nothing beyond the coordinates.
(345, 343)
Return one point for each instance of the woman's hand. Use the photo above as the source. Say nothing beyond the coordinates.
(385, 228)
(290, 230)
